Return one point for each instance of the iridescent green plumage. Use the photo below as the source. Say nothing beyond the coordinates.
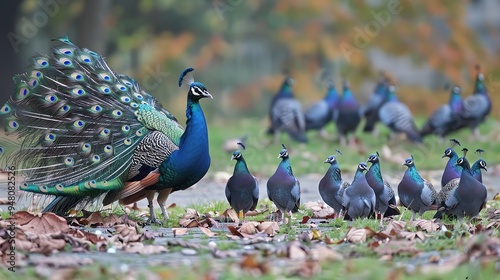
(85, 130)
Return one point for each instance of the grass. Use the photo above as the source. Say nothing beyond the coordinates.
(261, 155)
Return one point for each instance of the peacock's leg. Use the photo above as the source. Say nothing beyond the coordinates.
(162, 199)
(150, 195)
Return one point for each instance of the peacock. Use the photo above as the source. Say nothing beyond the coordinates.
(385, 202)
(242, 189)
(285, 114)
(467, 199)
(359, 199)
(347, 115)
(320, 113)
(398, 117)
(477, 106)
(478, 165)
(446, 119)
(416, 193)
(372, 108)
(88, 133)
(283, 189)
(331, 187)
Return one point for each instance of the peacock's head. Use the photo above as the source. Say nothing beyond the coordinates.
(449, 152)
(237, 154)
(283, 153)
(409, 161)
(362, 167)
(331, 159)
(373, 158)
(463, 162)
(196, 89)
(456, 90)
(482, 164)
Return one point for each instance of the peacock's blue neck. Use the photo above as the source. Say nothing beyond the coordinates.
(476, 171)
(391, 97)
(331, 96)
(241, 166)
(358, 176)
(455, 102)
(286, 166)
(413, 173)
(480, 88)
(177, 170)
(375, 172)
(286, 91)
(335, 173)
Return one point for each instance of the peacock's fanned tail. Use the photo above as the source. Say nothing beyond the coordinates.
(80, 123)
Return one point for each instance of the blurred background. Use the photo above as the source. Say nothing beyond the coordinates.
(240, 49)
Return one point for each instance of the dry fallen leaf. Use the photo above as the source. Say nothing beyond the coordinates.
(397, 247)
(359, 234)
(207, 231)
(325, 253)
(253, 266)
(97, 220)
(139, 247)
(427, 225)
(44, 223)
(179, 231)
(269, 228)
(248, 228)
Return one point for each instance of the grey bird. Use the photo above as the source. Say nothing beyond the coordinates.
(416, 193)
(331, 187)
(283, 189)
(359, 198)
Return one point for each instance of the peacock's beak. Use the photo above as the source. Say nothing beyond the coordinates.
(207, 94)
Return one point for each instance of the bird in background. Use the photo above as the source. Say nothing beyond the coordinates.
(467, 199)
(89, 132)
(446, 119)
(346, 115)
(283, 189)
(331, 186)
(319, 114)
(285, 114)
(416, 193)
(478, 165)
(242, 189)
(385, 200)
(477, 106)
(372, 108)
(359, 199)
(396, 115)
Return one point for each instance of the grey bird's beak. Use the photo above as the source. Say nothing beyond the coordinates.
(209, 95)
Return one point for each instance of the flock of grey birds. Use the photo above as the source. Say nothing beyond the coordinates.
(462, 192)
(287, 115)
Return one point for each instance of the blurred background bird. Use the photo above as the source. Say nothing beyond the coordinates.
(346, 115)
(446, 119)
(283, 189)
(477, 106)
(398, 117)
(372, 107)
(320, 113)
(286, 115)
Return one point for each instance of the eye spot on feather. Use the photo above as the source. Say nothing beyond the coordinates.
(117, 113)
(78, 91)
(69, 161)
(59, 187)
(42, 62)
(108, 150)
(23, 186)
(125, 128)
(125, 99)
(139, 132)
(134, 105)
(138, 96)
(5, 109)
(105, 77)
(51, 98)
(96, 109)
(33, 82)
(85, 58)
(127, 83)
(105, 89)
(77, 76)
(36, 74)
(95, 159)
(43, 189)
(105, 132)
(51, 137)
(121, 87)
(13, 125)
(65, 61)
(127, 142)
